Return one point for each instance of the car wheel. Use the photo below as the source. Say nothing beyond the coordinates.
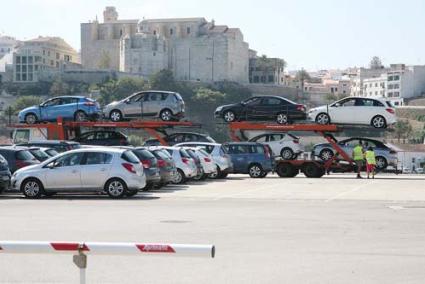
(379, 122)
(323, 119)
(326, 154)
(287, 154)
(255, 171)
(116, 188)
(32, 188)
(229, 116)
(282, 118)
(263, 175)
(80, 116)
(223, 175)
(311, 170)
(216, 174)
(166, 115)
(286, 170)
(199, 176)
(180, 177)
(115, 115)
(381, 163)
(148, 187)
(30, 118)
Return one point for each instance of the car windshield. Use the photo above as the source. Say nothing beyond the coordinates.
(24, 155)
(161, 155)
(40, 155)
(130, 157)
(184, 153)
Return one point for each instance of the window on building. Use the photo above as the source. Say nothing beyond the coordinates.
(154, 54)
(30, 77)
(256, 79)
(24, 77)
(263, 79)
(30, 68)
(376, 84)
(390, 94)
(57, 64)
(336, 90)
(171, 31)
(24, 60)
(390, 87)
(396, 78)
(44, 52)
(18, 77)
(35, 67)
(154, 32)
(48, 53)
(57, 56)
(396, 94)
(396, 86)
(376, 93)
(390, 78)
(24, 68)
(44, 61)
(120, 33)
(188, 30)
(18, 68)
(271, 78)
(52, 63)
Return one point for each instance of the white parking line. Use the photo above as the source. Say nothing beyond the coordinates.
(347, 192)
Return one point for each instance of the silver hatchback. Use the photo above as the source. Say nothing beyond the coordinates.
(165, 105)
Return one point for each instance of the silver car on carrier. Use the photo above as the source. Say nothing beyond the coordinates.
(165, 105)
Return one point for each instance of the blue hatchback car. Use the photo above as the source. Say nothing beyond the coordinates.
(250, 158)
(77, 108)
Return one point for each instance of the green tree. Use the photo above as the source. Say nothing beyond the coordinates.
(302, 76)
(402, 129)
(164, 80)
(331, 98)
(59, 88)
(24, 102)
(376, 63)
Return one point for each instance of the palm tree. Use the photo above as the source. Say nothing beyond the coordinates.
(302, 76)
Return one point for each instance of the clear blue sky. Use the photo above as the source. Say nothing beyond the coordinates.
(310, 34)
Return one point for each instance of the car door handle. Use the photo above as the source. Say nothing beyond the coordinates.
(103, 170)
(74, 171)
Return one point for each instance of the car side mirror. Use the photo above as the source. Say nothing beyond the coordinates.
(337, 105)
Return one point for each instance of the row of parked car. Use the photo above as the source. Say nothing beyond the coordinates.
(45, 168)
(168, 106)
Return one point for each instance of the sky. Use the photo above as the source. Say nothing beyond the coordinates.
(311, 34)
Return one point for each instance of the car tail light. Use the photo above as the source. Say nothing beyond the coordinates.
(267, 152)
(393, 152)
(206, 159)
(296, 141)
(162, 163)
(89, 103)
(146, 164)
(21, 164)
(185, 160)
(129, 167)
(390, 110)
(301, 107)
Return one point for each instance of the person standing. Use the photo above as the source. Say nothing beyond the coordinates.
(358, 157)
(370, 162)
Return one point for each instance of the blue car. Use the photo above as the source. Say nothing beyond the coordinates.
(76, 108)
(250, 158)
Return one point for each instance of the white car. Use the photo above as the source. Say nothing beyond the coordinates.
(117, 172)
(356, 110)
(186, 167)
(219, 154)
(285, 145)
(206, 161)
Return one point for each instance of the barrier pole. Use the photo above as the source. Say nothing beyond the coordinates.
(81, 250)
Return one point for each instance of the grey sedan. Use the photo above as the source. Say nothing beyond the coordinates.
(385, 156)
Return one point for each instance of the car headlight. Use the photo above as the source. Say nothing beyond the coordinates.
(219, 108)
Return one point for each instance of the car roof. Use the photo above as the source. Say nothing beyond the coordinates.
(242, 143)
(75, 97)
(13, 148)
(50, 142)
(196, 133)
(199, 143)
(98, 149)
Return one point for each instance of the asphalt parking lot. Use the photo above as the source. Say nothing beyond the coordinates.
(336, 229)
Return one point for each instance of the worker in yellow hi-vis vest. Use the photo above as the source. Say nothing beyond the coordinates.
(370, 162)
(358, 157)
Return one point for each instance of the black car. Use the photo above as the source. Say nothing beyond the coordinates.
(102, 138)
(4, 174)
(181, 137)
(166, 165)
(274, 108)
(59, 145)
(17, 157)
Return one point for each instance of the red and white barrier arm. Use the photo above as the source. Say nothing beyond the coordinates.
(107, 248)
